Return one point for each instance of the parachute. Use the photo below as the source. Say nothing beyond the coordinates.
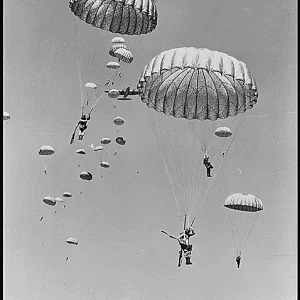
(86, 176)
(98, 148)
(91, 85)
(6, 116)
(124, 55)
(242, 211)
(118, 121)
(58, 199)
(49, 200)
(117, 16)
(67, 194)
(46, 150)
(104, 164)
(117, 40)
(113, 65)
(190, 92)
(223, 132)
(72, 241)
(120, 141)
(105, 141)
(80, 151)
(115, 47)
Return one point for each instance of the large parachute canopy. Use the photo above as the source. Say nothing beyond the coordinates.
(242, 210)
(190, 92)
(117, 16)
(6, 116)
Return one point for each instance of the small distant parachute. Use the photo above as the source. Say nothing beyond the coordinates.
(243, 202)
(67, 194)
(41, 219)
(223, 132)
(104, 164)
(72, 241)
(6, 116)
(80, 151)
(118, 40)
(115, 47)
(86, 176)
(105, 141)
(113, 65)
(58, 199)
(49, 200)
(124, 55)
(117, 16)
(98, 148)
(113, 94)
(91, 85)
(46, 150)
(120, 141)
(119, 121)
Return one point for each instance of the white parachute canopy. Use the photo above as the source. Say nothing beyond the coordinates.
(49, 200)
(67, 194)
(46, 150)
(80, 151)
(72, 241)
(6, 116)
(58, 199)
(223, 132)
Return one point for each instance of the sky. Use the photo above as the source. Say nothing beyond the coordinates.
(117, 219)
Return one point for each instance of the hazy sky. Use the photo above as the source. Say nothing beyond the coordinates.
(118, 218)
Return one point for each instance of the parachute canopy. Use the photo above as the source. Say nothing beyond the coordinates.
(58, 199)
(124, 55)
(115, 47)
(91, 85)
(120, 141)
(72, 241)
(86, 176)
(80, 151)
(98, 148)
(104, 164)
(118, 40)
(67, 194)
(105, 141)
(6, 116)
(119, 121)
(46, 150)
(49, 200)
(223, 132)
(196, 83)
(243, 202)
(113, 94)
(117, 16)
(113, 65)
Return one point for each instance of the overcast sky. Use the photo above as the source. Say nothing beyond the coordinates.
(118, 217)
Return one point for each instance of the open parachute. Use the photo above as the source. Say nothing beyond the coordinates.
(117, 16)
(196, 99)
(242, 210)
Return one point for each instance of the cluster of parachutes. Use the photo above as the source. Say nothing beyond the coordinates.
(196, 101)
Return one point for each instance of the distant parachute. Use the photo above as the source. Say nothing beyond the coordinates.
(86, 176)
(91, 85)
(120, 141)
(113, 65)
(67, 194)
(80, 151)
(115, 47)
(104, 164)
(105, 141)
(223, 132)
(118, 40)
(6, 116)
(124, 17)
(113, 94)
(242, 210)
(98, 148)
(72, 241)
(49, 200)
(58, 199)
(46, 150)
(119, 121)
(124, 55)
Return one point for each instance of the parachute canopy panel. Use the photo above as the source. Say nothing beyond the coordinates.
(243, 202)
(46, 150)
(117, 16)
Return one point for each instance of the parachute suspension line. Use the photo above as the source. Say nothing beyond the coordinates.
(96, 102)
(78, 56)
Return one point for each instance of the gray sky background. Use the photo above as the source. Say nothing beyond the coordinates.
(118, 218)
